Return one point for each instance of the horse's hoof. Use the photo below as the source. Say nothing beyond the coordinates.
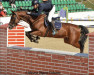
(31, 40)
(37, 37)
(26, 34)
(36, 41)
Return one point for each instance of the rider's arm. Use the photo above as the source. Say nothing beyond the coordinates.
(40, 9)
(34, 10)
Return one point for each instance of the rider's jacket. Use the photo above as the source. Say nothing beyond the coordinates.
(44, 7)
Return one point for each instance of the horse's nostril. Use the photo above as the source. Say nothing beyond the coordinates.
(9, 27)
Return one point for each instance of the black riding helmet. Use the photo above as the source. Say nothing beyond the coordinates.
(34, 2)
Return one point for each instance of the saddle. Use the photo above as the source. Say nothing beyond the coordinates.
(56, 23)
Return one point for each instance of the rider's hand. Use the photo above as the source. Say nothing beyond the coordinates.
(28, 13)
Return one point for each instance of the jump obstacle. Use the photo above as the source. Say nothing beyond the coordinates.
(16, 60)
(16, 36)
(77, 19)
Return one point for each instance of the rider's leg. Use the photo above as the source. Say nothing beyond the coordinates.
(53, 28)
(51, 13)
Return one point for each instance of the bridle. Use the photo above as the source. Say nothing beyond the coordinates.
(16, 17)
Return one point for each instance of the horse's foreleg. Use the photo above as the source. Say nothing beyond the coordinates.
(37, 34)
(31, 37)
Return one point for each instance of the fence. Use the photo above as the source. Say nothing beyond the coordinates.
(17, 60)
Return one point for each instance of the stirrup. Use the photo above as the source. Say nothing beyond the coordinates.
(53, 32)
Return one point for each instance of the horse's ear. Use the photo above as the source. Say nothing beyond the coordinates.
(12, 11)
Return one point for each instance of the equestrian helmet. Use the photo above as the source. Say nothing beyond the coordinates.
(34, 2)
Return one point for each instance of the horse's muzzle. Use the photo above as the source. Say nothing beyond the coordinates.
(10, 26)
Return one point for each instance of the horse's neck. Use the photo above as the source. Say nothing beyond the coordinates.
(39, 22)
(27, 19)
(39, 18)
(33, 22)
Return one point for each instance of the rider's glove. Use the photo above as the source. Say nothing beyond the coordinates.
(28, 13)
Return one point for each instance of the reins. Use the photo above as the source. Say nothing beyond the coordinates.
(16, 17)
(38, 20)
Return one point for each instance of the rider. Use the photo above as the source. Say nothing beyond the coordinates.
(46, 7)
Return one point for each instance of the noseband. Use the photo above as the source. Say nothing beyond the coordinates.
(14, 19)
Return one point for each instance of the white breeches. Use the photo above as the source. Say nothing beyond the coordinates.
(51, 13)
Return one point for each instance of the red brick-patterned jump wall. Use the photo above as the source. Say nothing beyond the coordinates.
(16, 36)
(21, 60)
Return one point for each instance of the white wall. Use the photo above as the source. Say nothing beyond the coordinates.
(80, 15)
(4, 20)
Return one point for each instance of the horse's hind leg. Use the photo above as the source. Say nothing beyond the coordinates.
(66, 40)
(75, 44)
(74, 40)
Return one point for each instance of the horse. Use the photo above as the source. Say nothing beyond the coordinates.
(73, 34)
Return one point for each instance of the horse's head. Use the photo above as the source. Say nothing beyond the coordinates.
(14, 20)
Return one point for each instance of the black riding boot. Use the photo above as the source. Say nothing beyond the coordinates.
(53, 28)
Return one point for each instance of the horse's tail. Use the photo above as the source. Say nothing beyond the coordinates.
(83, 37)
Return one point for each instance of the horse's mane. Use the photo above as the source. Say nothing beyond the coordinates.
(23, 10)
(29, 16)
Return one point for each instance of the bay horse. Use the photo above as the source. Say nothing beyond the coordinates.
(73, 34)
